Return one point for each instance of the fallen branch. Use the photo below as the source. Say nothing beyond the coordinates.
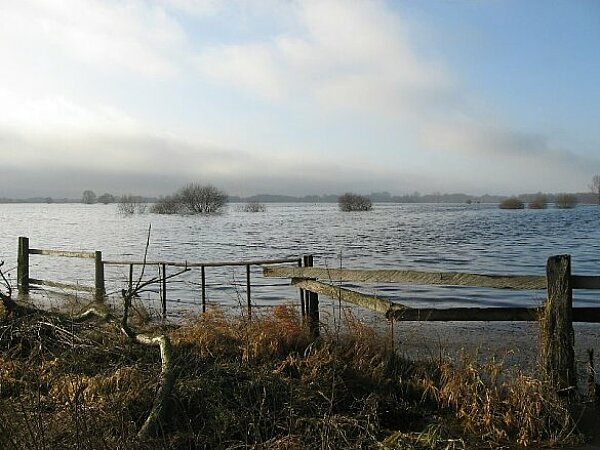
(167, 375)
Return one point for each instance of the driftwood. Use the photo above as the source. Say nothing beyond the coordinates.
(162, 341)
(167, 376)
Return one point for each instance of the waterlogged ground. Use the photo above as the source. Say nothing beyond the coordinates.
(467, 238)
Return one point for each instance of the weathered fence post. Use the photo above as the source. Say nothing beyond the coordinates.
(557, 336)
(312, 303)
(203, 276)
(99, 275)
(23, 264)
(302, 304)
(163, 298)
(248, 296)
(130, 280)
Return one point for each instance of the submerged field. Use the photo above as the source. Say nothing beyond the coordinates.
(263, 384)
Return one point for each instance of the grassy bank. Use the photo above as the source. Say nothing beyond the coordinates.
(260, 384)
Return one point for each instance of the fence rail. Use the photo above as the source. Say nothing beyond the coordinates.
(307, 278)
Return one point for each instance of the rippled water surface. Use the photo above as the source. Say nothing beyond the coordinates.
(466, 238)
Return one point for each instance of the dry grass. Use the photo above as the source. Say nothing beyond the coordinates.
(260, 384)
(501, 406)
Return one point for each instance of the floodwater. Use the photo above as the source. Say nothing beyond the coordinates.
(463, 238)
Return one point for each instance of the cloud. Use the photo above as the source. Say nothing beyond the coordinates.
(247, 67)
(359, 57)
(65, 164)
(107, 35)
(90, 86)
(345, 55)
(55, 114)
(498, 141)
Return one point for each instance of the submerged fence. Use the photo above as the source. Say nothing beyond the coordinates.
(24, 281)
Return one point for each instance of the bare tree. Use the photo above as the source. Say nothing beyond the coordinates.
(166, 205)
(539, 202)
(130, 204)
(106, 198)
(511, 203)
(88, 197)
(254, 207)
(565, 201)
(595, 186)
(198, 199)
(354, 202)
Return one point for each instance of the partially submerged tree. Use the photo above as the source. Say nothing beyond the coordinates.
(166, 205)
(539, 202)
(88, 197)
(254, 207)
(202, 199)
(565, 201)
(106, 198)
(193, 198)
(130, 204)
(595, 186)
(354, 202)
(511, 203)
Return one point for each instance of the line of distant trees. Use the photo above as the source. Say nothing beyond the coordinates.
(172, 203)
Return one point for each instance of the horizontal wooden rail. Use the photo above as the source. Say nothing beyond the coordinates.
(347, 295)
(62, 253)
(590, 315)
(410, 276)
(190, 264)
(399, 312)
(585, 282)
(464, 314)
(57, 284)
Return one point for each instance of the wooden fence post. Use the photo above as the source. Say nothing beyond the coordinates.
(312, 303)
(302, 304)
(163, 298)
(203, 277)
(99, 276)
(557, 336)
(23, 265)
(248, 295)
(130, 280)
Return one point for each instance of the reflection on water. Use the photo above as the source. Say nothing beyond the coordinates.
(466, 238)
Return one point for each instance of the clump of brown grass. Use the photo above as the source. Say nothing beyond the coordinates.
(503, 407)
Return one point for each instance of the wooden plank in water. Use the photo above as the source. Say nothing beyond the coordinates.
(410, 277)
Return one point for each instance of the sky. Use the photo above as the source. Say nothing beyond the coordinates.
(298, 97)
